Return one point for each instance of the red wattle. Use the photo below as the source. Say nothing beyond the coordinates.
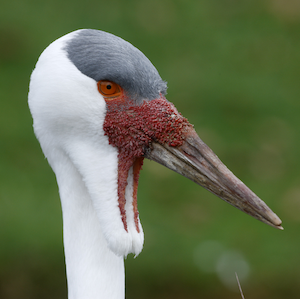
(131, 129)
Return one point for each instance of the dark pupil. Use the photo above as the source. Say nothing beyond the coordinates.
(108, 86)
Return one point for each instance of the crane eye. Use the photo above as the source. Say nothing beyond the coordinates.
(109, 89)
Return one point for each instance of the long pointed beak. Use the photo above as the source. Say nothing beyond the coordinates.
(196, 161)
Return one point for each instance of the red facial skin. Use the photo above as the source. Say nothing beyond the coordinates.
(131, 129)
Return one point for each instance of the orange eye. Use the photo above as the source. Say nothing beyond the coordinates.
(109, 89)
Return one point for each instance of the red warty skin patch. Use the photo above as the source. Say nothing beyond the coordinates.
(131, 129)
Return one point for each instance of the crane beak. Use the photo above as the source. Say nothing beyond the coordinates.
(196, 161)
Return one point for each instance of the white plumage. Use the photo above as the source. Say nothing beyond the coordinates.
(69, 113)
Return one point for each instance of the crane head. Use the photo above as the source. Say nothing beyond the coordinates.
(99, 106)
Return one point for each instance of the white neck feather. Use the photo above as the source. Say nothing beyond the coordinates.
(93, 270)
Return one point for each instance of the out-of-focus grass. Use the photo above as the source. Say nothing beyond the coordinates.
(233, 70)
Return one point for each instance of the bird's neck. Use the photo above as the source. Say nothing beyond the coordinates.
(93, 270)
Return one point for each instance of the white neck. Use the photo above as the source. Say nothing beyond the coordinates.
(93, 270)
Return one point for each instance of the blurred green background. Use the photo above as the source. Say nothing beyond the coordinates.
(233, 70)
